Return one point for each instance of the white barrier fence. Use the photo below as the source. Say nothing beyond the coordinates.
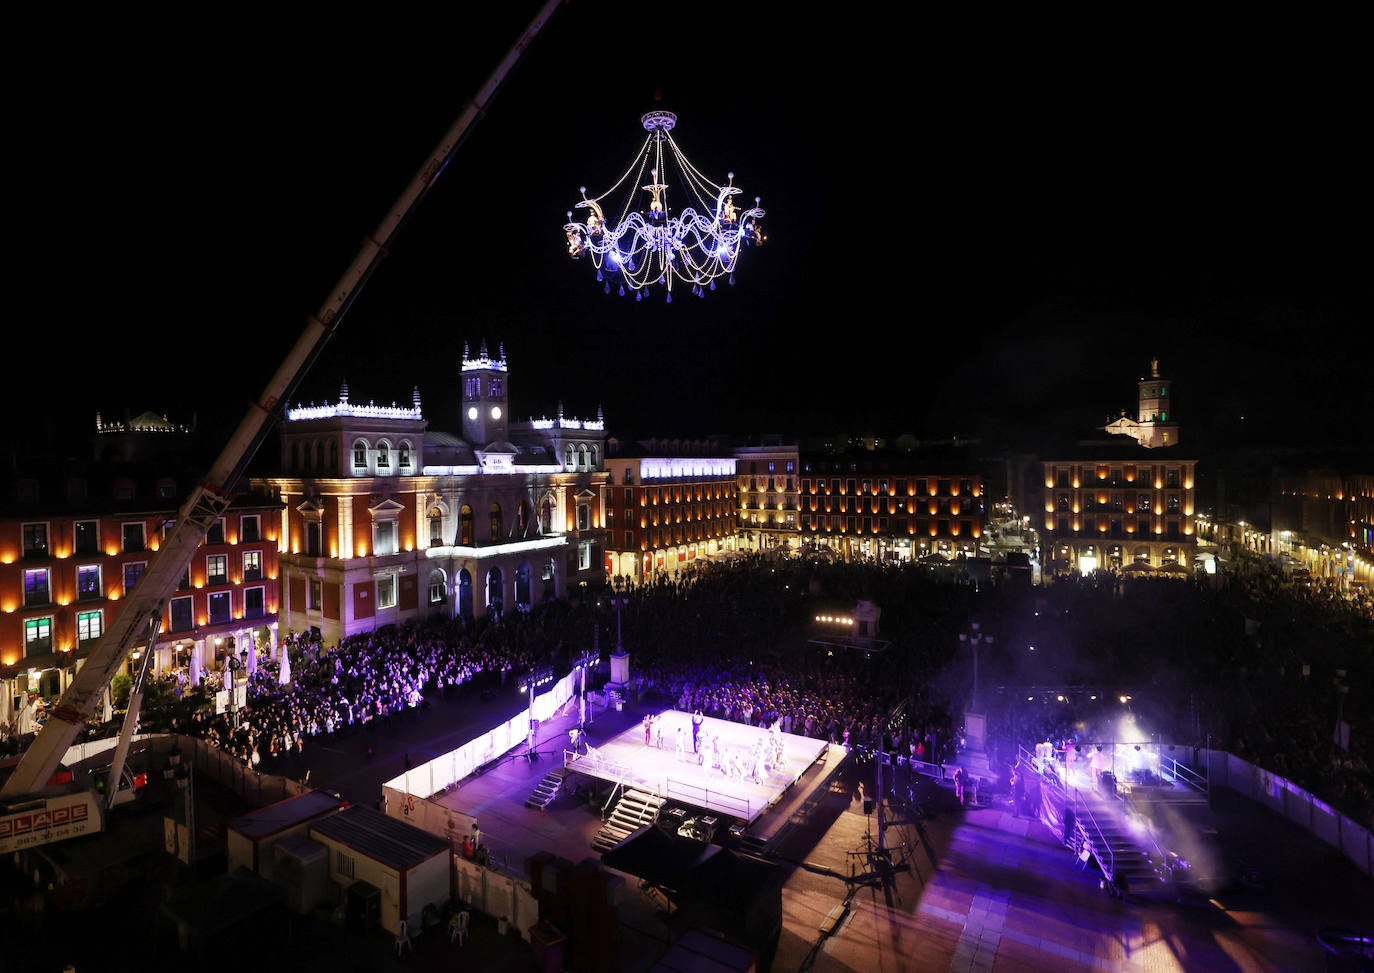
(409, 798)
(1288, 799)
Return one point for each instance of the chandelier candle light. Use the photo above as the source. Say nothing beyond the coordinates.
(659, 243)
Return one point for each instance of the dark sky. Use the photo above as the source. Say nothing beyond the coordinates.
(978, 224)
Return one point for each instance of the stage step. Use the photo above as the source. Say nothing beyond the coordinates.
(1131, 866)
(632, 811)
(546, 790)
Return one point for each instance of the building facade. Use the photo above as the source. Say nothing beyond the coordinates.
(75, 539)
(892, 504)
(1123, 506)
(668, 504)
(769, 497)
(385, 521)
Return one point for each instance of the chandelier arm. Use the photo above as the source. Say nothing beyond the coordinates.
(661, 173)
(694, 174)
(625, 176)
(635, 187)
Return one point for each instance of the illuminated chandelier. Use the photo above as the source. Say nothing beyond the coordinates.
(693, 239)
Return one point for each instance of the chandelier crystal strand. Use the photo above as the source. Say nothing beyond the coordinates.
(651, 242)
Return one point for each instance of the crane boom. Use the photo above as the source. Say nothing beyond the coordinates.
(143, 610)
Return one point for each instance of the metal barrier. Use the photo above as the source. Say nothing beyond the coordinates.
(1171, 770)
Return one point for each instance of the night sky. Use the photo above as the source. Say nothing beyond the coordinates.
(979, 224)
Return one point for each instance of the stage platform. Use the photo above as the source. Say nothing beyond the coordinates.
(726, 777)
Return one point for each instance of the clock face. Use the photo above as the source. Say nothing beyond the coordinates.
(472, 412)
(496, 412)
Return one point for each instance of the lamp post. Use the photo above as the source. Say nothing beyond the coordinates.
(618, 602)
(232, 663)
(975, 640)
(584, 662)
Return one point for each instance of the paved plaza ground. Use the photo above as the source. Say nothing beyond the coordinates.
(975, 889)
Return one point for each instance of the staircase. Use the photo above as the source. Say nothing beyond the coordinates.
(546, 790)
(1125, 857)
(632, 811)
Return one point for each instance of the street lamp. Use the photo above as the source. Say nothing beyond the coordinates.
(584, 662)
(618, 602)
(975, 640)
(232, 663)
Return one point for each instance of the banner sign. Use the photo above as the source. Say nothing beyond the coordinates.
(51, 819)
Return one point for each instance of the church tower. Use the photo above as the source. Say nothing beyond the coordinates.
(486, 416)
(1154, 396)
(1154, 424)
(1158, 426)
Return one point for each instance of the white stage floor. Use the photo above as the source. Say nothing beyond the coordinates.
(698, 779)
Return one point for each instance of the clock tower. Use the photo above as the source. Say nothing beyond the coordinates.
(486, 417)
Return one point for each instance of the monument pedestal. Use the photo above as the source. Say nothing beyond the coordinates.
(974, 756)
(617, 687)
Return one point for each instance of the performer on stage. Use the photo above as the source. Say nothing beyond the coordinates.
(697, 720)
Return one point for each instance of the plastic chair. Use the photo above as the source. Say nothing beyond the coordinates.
(403, 939)
(458, 928)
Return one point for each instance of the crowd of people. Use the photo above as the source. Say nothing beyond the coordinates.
(380, 675)
(1250, 663)
(1257, 662)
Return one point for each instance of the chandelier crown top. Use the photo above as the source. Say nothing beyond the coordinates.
(655, 120)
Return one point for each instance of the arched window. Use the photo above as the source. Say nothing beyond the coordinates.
(383, 457)
(360, 456)
(582, 457)
(436, 526)
(466, 532)
(438, 587)
(464, 595)
(497, 527)
(546, 516)
(403, 461)
(496, 601)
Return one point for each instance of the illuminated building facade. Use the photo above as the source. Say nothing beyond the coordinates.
(1117, 506)
(769, 497)
(668, 504)
(1320, 521)
(892, 504)
(385, 520)
(1110, 508)
(76, 537)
